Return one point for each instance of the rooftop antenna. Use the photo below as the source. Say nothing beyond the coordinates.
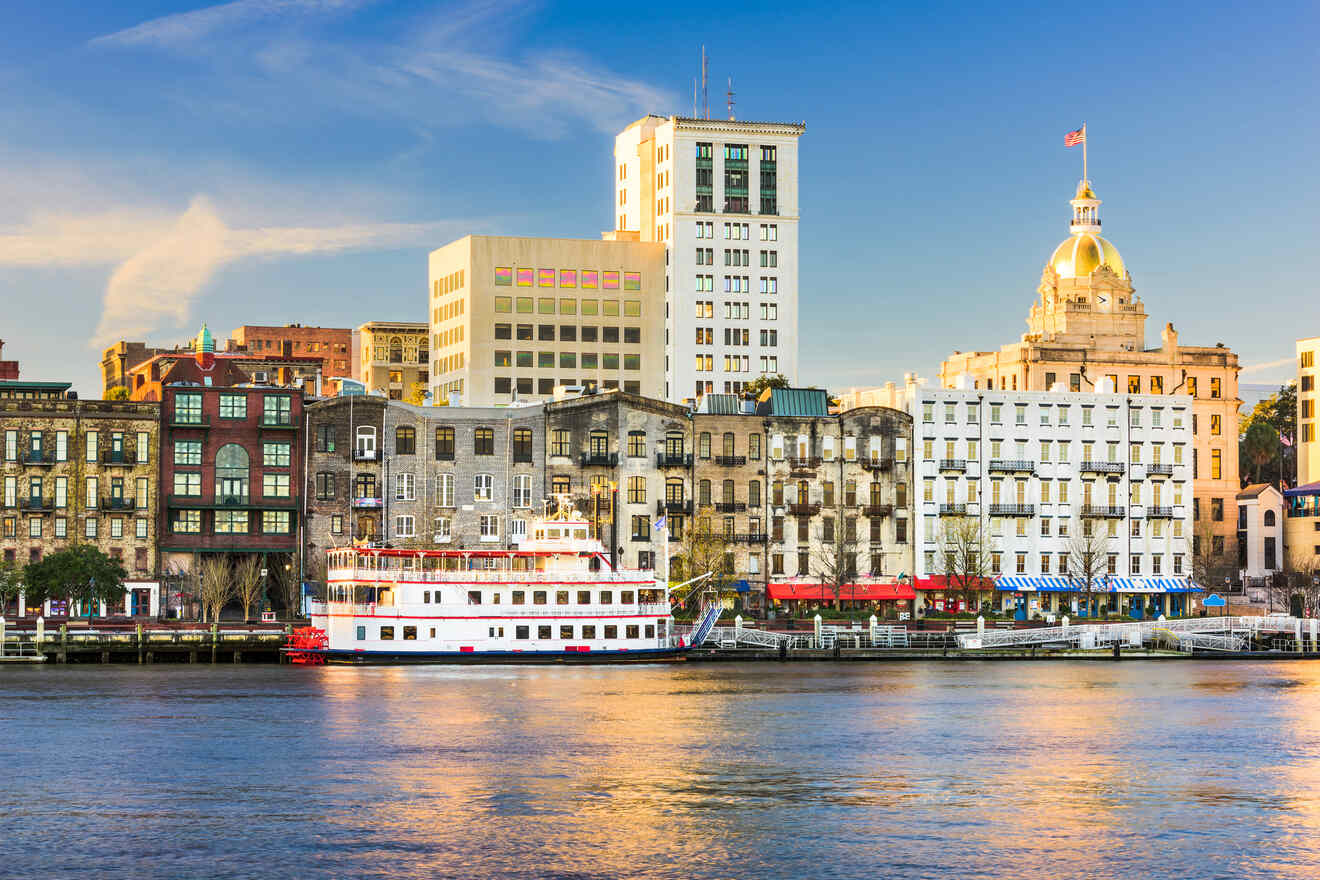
(731, 101)
(694, 97)
(705, 94)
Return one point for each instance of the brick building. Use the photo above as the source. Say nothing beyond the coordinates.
(146, 379)
(333, 345)
(82, 471)
(232, 462)
(8, 369)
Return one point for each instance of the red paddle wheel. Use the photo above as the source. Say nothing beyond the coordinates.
(306, 645)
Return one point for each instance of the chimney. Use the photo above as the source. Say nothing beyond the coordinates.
(1169, 337)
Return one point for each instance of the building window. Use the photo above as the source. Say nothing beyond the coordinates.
(276, 454)
(275, 522)
(325, 438)
(405, 487)
(186, 522)
(275, 485)
(405, 440)
(231, 522)
(483, 487)
(187, 484)
(405, 526)
(490, 527)
(522, 490)
(522, 445)
(188, 453)
(483, 441)
(325, 486)
(444, 444)
(233, 406)
(188, 408)
(277, 409)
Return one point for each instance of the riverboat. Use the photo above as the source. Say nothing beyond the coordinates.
(556, 598)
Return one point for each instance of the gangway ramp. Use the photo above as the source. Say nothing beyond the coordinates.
(1193, 633)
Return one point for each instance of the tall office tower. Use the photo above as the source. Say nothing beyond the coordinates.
(722, 196)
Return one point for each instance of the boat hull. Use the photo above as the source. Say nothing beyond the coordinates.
(563, 658)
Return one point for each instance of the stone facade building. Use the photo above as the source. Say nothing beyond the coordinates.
(79, 472)
(344, 475)
(637, 447)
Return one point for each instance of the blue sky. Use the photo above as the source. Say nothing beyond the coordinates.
(267, 161)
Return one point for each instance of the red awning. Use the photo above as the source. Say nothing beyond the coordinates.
(858, 592)
(939, 582)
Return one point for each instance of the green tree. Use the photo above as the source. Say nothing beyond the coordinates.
(119, 392)
(417, 394)
(760, 383)
(1258, 451)
(81, 572)
(1279, 412)
(11, 584)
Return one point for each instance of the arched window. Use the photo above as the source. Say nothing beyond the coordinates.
(674, 490)
(802, 492)
(396, 350)
(405, 440)
(365, 444)
(231, 474)
(1269, 517)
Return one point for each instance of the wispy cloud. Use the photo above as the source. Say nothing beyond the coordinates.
(1268, 365)
(187, 28)
(163, 264)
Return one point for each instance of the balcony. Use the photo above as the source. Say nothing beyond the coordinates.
(119, 458)
(38, 458)
(1012, 510)
(35, 504)
(185, 420)
(364, 455)
(953, 464)
(804, 509)
(367, 502)
(1102, 512)
(673, 459)
(1110, 468)
(1159, 470)
(803, 464)
(877, 464)
(730, 460)
(1159, 512)
(953, 510)
(730, 506)
(673, 505)
(598, 459)
(1012, 466)
(118, 503)
(749, 538)
(877, 510)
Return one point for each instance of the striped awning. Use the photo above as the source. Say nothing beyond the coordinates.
(1022, 583)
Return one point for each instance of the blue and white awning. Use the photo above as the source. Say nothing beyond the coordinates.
(1022, 583)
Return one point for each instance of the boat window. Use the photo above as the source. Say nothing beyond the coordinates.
(426, 597)
(495, 599)
(650, 631)
(606, 597)
(580, 534)
(543, 632)
(474, 597)
(432, 632)
(540, 534)
(521, 632)
(387, 633)
(631, 631)
(611, 632)
(410, 633)
(519, 597)
(554, 533)
(361, 633)
(588, 631)
(538, 597)
(561, 597)
(627, 597)
(566, 631)
(584, 597)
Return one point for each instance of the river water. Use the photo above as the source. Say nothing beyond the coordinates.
(875, 770)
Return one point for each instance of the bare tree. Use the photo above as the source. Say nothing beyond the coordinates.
(964, 556)
(702, 550)
(835, 562)
(1303, 572)
(1210, 560)
(1088, 559)
(289, 586)
(215, 583)
(248, 581)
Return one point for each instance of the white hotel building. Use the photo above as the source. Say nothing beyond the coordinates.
(1036, 469)
(722, 196)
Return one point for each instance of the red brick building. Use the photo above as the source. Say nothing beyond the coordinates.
(333, 345)
(8, 369)
(231, 465)
(146, 380)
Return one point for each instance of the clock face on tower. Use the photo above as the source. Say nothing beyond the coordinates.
(1102, 301)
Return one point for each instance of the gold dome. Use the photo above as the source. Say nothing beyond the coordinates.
(1083, 253)
(1084, 190)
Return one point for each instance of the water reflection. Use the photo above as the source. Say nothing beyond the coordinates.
(1123, 769)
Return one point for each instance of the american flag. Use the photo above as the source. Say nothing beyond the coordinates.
(1073, 138)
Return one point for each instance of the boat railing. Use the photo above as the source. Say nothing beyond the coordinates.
(644, 609)
(391, 575)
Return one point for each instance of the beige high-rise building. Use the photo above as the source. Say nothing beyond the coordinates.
(514, 318)
(1088, 325)
(1308, 449)
(392, 357)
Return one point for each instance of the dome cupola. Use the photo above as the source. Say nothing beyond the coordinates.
(1084, 250)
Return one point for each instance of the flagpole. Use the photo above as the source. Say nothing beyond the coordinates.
(1084, 177)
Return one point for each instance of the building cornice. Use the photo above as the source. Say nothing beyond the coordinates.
(737, 126)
